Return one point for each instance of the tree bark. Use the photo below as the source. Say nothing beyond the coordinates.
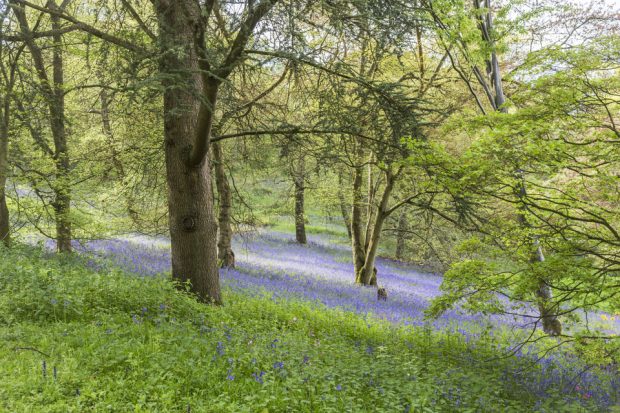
(369, 202)
(368, 273)
(357, 239)
(547, 311)
(300, 187)
(62, 184)
(550, 322)
(193, 230)
(344, 208)
(5, 237)
(226, 255)
(400, 235)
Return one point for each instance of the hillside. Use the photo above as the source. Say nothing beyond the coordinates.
(83, 335)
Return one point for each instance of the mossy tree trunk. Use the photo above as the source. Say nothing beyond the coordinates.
(5, 236)
(299, 179)
(226, 255)
(191, 85)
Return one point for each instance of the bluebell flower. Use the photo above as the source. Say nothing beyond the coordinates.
(258, 377)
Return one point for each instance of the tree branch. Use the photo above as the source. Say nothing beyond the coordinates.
(86, 27)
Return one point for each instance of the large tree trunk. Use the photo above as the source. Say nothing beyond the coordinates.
(400, 235)
(193, 229)
(300, 187)
(226, 255)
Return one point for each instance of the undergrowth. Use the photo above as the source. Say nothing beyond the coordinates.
(80, 339)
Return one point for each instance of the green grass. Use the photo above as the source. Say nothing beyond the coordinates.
(77, 340)
(287, 225)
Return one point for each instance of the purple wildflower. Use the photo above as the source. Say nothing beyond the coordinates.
(258, 377)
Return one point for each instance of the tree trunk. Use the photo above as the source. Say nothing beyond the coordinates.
(550, 322)
(370, 202)
(300, 187)
(356, 221)
(193, 229)
(400, 235)
(368, 273)
(226, 255)
(5, 237)
(344, 208)
(62, 184)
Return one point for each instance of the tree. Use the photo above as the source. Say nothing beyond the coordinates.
(513, 166)
(8, 66)
(191, 76)
(52, 88)
(191, 84)
(224, 243)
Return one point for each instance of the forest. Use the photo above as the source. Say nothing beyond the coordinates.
(309, 206)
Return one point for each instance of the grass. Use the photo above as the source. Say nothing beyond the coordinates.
(80, 339)
(286, 224)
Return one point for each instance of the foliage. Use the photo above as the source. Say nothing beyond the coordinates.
(84, 340)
